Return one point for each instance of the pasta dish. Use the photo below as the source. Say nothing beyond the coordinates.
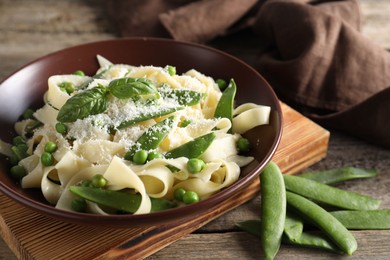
(132, 139)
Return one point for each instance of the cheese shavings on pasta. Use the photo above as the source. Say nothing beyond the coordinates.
(178, 109)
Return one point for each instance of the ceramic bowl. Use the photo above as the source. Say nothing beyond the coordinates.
(25, 88)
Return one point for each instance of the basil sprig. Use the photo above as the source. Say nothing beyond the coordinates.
(89, 102)
(94, 101)
(124, 88)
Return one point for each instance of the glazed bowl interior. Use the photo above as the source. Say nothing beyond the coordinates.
(25, 88)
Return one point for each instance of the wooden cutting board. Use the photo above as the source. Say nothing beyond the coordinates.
(34, 236)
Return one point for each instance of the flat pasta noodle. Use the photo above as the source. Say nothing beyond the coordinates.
(224, 176)
(5, 148)
(120, 176)
(100, 151)
(248, 116)
(69, 165)
(57, 97)
(65, 200)
(47, 115)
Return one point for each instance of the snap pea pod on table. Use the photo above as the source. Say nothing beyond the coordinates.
(273, 212)
(329, 195)
(305, 239)
(333, 228)
(293, 226)
(339, 175)
(364, 219)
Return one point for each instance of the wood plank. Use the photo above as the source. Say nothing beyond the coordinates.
(238, 245)
(34, 236)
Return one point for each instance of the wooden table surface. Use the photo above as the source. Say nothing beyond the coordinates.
(30, 29)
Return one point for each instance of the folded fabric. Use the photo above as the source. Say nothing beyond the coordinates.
(312, 52)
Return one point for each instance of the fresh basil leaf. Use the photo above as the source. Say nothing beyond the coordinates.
(124, 88)
(89, 102)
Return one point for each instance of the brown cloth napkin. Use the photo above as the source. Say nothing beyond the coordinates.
(312, 52)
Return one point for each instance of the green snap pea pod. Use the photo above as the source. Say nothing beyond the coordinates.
(148, 115)
(152, 138)
(364, 219)
(118, 199)
(226, 102)
(333, 228)
(293, 226)
(185, 97)
(273, 209)
(329, 195)
(192, 149)
(312, 240)
(339, 175)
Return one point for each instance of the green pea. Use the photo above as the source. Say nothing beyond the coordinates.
(190, 197)
(140, 157)
(79, 205)
(171, 70)
(221, 84)
(50, 147)
(47, 159)
(79, 73)
(68, 87)
(179, 193)
(273, 209)
(243, 145)
(98, 181)
(154, 155)
(61, 128)
(18, 172)
(28, 114)
(195, 165)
